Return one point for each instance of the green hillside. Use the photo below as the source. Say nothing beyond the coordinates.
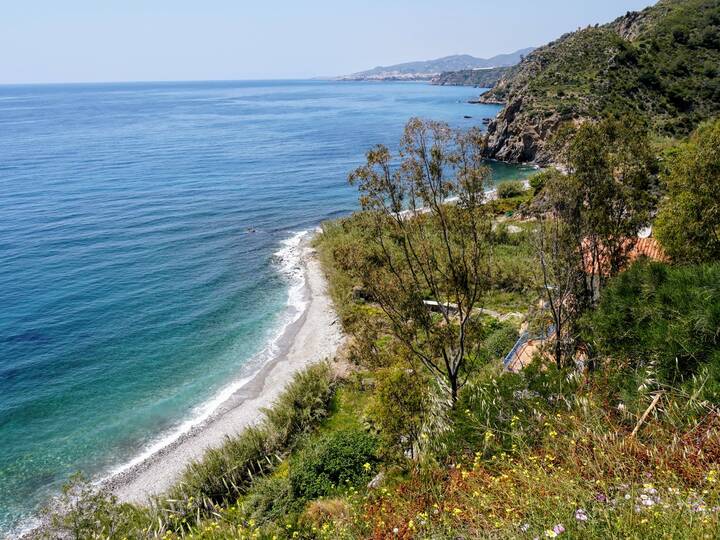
(482, 78)
(662, 63)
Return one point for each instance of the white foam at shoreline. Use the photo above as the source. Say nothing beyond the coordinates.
(288, 260)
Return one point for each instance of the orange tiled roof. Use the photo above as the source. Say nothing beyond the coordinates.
(643, 247)
(650, 248)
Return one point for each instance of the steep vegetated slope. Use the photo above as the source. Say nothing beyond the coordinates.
(662, 63)
(483, 78)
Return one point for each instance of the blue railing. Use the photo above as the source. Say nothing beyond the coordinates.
(524, 338)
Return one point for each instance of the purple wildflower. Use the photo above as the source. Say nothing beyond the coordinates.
(646, 500)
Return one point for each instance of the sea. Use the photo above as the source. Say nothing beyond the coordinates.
(148, 251)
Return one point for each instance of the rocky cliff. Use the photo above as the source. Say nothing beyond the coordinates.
(661, 63)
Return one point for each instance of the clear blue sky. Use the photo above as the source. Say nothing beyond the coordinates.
(133, 40)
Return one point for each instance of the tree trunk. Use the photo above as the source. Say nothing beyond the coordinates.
(558, 349)
(453, 388)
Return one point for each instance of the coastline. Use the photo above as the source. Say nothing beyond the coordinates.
(313, 336)
(256, 377)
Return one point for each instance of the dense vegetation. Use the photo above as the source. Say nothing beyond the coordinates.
(689, 220)
(663, 320)
(615, 433)
(661, 63)
(481, 78)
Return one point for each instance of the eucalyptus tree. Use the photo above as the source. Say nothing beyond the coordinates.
(561, 277)
(610, 194)
(688, 223)
(589, 217)
(428, 239)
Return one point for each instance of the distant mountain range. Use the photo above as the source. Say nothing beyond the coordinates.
(426, 70)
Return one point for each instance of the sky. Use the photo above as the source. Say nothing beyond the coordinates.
(158, 40)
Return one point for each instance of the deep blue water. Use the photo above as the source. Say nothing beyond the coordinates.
(131, 290)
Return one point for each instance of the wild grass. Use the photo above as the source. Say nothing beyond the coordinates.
(212, 484)
(226, 472)
(562, 465)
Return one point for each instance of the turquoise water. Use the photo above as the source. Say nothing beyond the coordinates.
(131, 288)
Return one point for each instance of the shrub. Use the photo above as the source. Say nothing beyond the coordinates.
(501, 340)
(497, 340)
(538, 180)
(658, 316)
(270, 499)
(302, 405)
(510, 189)
(401, 403)
(481, 421)
(341, 458)
(512, 272)
(504, 411)
(228, 471)
(82, 511)
(688, 223)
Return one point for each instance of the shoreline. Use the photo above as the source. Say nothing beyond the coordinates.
(313, 336)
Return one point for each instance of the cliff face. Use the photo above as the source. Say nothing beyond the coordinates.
(553, 85)
(515, 138)
(662, 63)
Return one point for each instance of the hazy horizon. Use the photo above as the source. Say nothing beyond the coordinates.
(81, 41)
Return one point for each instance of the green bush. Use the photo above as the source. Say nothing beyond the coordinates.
(512, 271)
(399, 411)
(270, 499)
(341, 458)
(538, 180)
(226, 471)
(661, 317)
(502, 339)
(501, 411)
(302, 405)
(482, 419)
(89, 513)
(688, 222)
(510, 189)
(497, 340)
